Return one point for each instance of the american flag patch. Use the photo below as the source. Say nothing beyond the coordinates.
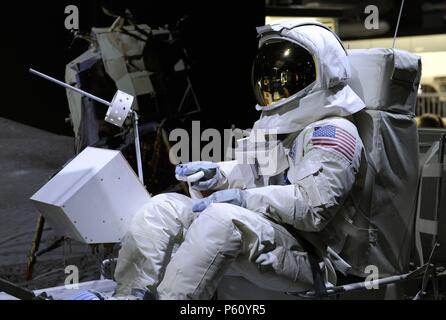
(330, 136)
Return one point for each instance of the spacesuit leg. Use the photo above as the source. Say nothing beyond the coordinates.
(148, 244)
(262, 251)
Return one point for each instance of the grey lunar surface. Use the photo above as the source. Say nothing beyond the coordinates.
(28, 158)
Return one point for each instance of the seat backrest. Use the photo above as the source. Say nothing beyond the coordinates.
(385, 194)
(430, 221)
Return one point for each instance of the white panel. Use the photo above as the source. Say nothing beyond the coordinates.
(119, 108)
(93, 198)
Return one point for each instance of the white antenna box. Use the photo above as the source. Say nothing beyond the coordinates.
(93, 198)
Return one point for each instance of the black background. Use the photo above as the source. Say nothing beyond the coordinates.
(220, 36)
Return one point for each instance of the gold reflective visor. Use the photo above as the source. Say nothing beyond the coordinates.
(281, 69)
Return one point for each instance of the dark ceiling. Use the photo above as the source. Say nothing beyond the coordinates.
(418, 17)
(220, 35)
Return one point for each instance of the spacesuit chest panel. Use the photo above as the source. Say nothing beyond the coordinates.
(268, 160)
(295, 155)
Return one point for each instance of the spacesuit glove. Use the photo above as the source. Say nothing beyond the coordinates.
(231, 196)
(202, 175)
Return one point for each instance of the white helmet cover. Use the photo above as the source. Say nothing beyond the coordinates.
(328, 96)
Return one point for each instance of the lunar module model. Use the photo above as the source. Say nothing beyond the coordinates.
(149, 64)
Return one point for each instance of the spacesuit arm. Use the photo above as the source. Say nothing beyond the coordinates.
(237, 175)
(321, 181)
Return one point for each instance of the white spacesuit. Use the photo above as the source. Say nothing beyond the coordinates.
(251, 220)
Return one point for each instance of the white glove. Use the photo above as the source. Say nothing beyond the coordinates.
(202, 175)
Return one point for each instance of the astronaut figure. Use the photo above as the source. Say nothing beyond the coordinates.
(251, 219)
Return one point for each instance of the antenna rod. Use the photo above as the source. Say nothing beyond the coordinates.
(65, 85)
(397, 24)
